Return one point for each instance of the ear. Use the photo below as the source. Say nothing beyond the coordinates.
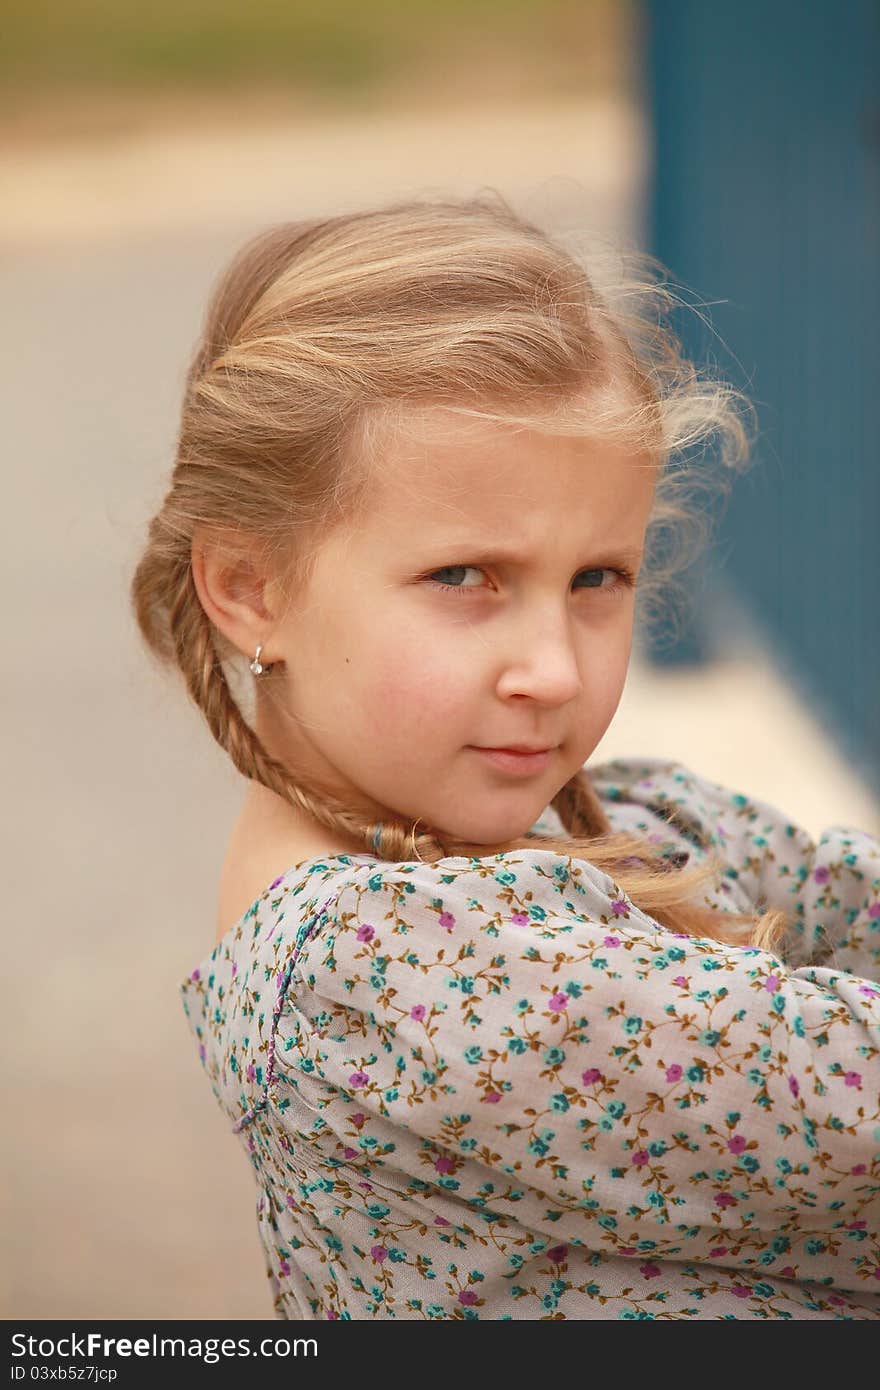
(235, 593)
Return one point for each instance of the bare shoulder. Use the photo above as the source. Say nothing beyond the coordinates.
(260, 849)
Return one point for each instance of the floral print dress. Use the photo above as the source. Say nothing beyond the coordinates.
(494, 1088)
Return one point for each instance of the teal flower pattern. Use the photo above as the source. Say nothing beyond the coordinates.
(495, 1088)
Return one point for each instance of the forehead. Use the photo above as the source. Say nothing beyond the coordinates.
(438, 474)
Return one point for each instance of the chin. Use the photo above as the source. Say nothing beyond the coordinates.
(483, 831)
(481, 836)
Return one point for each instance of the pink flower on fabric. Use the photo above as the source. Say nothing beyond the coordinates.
(275, 882)
(853, 1078)
(724, 1199)
(491, 1097)
(717, 1252)
(467, 1297)
(874, 909)
(790, 1272)
(251, 1072)
(741, 1291)
(418, 1012)
(557, 1002)
(447, 920)
(557, 1254)
(290, 1200)
(611, 941)
(641, 1158)
(876, 1272)
(794, 1086)
(836, 1299)
(349, 1153)
(771, 983)
(650, 1270)
(196, 975)
(674, 1073)
(358, 1119)
(627, 1250)
(332, 1315)
(857, 1225)
(444, 1165)
(202, 1053)
(591, 1075)
(620, 907)
(519, 919)
(736, 1144)
(284, 1267)
(859, 1168)
(234, 969)
(379, 1253)
(680, 981)
(869, 990)
(358, 1078)
(440, 1221)
(366, 932)
(822, 874)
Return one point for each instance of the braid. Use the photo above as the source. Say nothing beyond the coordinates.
(189, 638)
(392, 839)
(192, 635)
(578, 806)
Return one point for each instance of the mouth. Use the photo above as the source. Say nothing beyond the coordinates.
(524, 748)
(519, 761)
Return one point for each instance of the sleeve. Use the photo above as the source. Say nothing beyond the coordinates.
(830, 887)
(517, 1033)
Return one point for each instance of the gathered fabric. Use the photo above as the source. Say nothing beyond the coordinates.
(495, 1088)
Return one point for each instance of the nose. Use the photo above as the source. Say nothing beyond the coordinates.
(544, 665)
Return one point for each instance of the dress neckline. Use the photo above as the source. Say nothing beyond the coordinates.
(298, 871)
(294, 872)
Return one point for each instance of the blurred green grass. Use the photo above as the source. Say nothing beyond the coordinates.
(338, 47)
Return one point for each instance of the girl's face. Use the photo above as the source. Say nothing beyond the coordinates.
(392, 682)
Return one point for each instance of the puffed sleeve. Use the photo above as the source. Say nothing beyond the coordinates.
(829, 887)
(512, 1032)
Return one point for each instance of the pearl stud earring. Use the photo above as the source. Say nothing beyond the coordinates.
(256, 665)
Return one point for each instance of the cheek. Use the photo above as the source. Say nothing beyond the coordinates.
(610, 676)
(411, 689)
(618, 661)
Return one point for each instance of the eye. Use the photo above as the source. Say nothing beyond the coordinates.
(453, 569)
(623, 580)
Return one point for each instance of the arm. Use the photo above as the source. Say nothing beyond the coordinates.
(829, 887)
(520, 1037)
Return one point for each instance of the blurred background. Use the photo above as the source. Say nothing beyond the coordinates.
(139, 146)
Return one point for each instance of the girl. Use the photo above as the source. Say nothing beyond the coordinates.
(504, 1036)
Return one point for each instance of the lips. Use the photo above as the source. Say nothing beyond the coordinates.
(515, 762)
(518, 748)
(521, 748)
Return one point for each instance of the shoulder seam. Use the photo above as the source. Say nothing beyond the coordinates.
(282, 980)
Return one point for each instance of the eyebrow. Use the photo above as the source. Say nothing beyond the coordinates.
(478, 554)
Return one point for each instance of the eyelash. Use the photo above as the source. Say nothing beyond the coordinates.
(626, 580)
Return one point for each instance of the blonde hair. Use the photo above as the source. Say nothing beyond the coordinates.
(319, 330)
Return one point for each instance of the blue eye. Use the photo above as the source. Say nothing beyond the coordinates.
(624, 580)
(451, 569)
(600, 572)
